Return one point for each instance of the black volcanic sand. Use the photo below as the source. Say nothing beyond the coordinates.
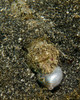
(60, 20)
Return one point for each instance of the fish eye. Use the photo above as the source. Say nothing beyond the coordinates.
(42, 79)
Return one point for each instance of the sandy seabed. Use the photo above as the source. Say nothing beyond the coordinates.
(60, 21)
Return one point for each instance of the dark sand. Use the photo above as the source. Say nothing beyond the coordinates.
(60, 20)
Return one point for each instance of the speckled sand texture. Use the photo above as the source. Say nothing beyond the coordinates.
(60, 21)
